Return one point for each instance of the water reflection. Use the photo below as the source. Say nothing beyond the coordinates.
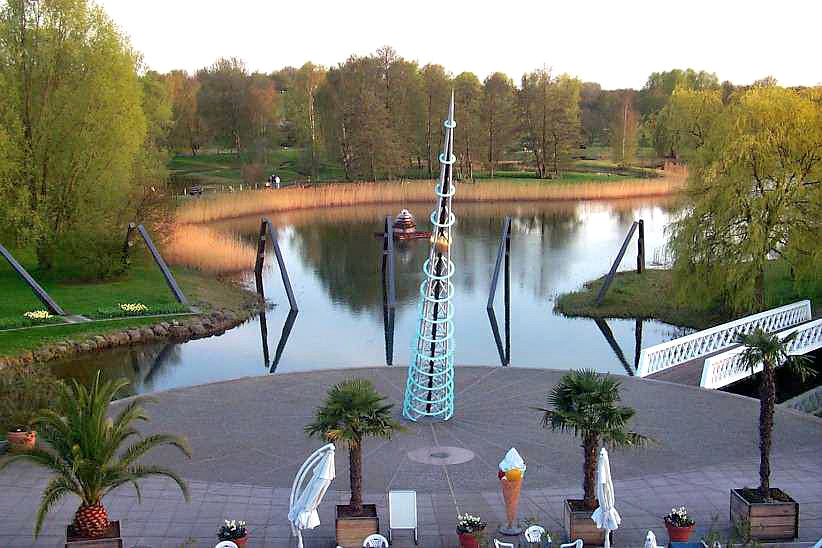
(334, 262)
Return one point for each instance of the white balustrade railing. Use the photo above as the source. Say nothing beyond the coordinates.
(696, 345)
(728, 368)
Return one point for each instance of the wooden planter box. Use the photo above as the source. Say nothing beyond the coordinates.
(768, 520)
(578, 524)
(110, 539)
(351, 531)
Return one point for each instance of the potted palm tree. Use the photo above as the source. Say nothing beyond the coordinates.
(89, 457)
(770, 512)
(586, 405)
(352, 411)
(24, 391)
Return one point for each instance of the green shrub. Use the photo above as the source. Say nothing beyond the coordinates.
(89, 255)
(25, 390)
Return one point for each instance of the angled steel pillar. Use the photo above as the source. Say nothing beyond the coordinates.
(172, 283)
(429, 389)
(44, 297)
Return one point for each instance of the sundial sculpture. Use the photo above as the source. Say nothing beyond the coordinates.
(429, 388)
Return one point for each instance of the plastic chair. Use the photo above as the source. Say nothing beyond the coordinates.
(402, 512)
(375, 541)
(576, 544)
(498, 544)
(534, 534)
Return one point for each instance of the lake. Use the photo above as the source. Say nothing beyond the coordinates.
(333, 259)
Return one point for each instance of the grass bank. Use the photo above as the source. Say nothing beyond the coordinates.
(653, 295)
(143, 284)
(234, 205)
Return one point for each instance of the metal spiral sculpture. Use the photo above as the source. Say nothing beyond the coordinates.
(429, 389)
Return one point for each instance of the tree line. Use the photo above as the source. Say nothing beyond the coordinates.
(379, 115)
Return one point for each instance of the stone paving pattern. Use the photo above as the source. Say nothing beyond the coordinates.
(248, 443)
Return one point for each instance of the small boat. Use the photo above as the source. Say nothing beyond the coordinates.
(404, 228)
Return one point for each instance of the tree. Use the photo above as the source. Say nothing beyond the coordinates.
(585, 404)
(353, 411)
(222, 101)
(188, 131)
(549, 109)
(755, 191)
(86, 452)
(468, 97)
(624, 130)
(771, 351)
(436, 84)
(499, 116)
(301, 109)
(70, 135)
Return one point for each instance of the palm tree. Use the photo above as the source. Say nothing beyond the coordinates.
(83, 456)
(770, 351)
(584, 403)
(353, 411)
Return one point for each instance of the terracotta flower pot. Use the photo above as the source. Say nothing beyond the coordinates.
(240, 542)
(678, 534)
(21, 441)
(468, 540)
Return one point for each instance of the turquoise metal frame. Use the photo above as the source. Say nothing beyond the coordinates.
(429, 389)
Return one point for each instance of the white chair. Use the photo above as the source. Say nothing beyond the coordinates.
(534, 534)
(402, 512)
(576, 544)
(375, 541)
(498, 544)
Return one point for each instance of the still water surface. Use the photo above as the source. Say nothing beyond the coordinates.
(333, 259)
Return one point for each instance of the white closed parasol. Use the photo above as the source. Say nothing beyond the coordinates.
(302, 511)
(606, 517)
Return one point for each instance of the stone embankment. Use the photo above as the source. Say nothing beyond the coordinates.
(198, 327)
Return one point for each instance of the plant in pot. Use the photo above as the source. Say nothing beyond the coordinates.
(470, 530)
(771, 513)
(354, 410)
(24, 391)
(233, 530)
(679, 524)
(586, 405)
(89, 456)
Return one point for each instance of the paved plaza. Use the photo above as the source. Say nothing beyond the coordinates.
(248, 442)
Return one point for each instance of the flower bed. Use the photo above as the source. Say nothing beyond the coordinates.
(125, 310)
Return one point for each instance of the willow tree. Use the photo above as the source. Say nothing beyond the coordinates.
(755, 192)
(72, 121)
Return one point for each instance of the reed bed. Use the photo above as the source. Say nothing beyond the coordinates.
(209, 250)
(229, 206)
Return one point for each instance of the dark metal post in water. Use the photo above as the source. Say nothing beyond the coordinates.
(610, 277)
(264, 336)
(172, 283)
(44, 297)
(391, 264)
(508, 295)
(637, 341)
(258, 265)
(609, 336)
(265, 226)
(504, 248)
(640, 248)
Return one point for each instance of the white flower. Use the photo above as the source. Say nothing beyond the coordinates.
(37, 315)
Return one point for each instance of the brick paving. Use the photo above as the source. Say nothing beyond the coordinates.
(248, 443)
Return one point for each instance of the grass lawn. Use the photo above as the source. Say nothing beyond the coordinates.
(211, 168)
(652, 295)
(143, 284)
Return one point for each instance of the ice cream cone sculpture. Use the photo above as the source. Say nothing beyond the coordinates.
(511, 470)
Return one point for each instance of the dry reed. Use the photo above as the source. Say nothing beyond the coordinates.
(257, 202)
(209, 250)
